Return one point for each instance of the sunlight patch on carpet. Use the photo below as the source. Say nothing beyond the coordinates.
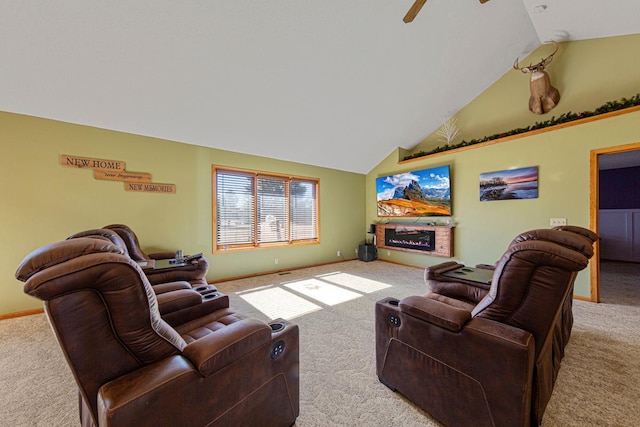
(321, 291)
(360, 284)
(279, 303)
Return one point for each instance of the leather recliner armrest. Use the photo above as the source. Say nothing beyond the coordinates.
(187, 314)
(193, 273)
(458, 290)
(433, 272)
(180, 299)
(115, 398)
(435, 312)
(161, 288)
(224, 346)
(486, 266)
(162, 255)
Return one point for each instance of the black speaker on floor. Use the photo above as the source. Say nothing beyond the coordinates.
(367, 252)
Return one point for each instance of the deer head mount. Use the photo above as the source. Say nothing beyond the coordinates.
(544, 97)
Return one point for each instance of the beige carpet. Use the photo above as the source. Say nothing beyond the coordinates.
(598, 385)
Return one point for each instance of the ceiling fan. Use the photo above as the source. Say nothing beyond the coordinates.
(415, 8)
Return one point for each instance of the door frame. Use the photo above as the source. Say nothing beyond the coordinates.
(594, 217)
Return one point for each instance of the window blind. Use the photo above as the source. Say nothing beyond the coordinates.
(235, 202)
(254, 209)
(273, 214)
(304, 217)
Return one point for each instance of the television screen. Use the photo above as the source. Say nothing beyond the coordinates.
(425, 192)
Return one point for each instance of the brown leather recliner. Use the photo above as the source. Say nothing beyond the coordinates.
(193, 273)
(177, 300)
(571, 236)
(493, 363)
(132, 368)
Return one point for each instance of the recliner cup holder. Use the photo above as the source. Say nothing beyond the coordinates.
(209, 296)
(205, 289)
(394, 302)
(276, 327)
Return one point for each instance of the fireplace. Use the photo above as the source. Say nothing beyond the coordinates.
(435, 240)
(419, 240)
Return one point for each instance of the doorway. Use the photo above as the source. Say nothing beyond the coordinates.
(621, 156)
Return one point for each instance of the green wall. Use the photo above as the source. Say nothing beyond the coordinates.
(605, 70)
(587, 73)
(43, 202)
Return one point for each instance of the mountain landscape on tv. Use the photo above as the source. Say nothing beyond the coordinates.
(420, 193)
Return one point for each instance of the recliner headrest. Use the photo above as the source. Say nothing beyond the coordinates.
(567, 239)
(130, 240)
(60, 252)
(103, 233)
(585, 232)
(120, 226)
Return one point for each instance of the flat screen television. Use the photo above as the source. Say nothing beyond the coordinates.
(425, 192)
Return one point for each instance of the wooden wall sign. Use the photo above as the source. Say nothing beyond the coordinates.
(89, 163)
(107, 175)
(114, 170)
(150, 187)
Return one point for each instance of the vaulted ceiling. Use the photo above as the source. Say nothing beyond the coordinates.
(332, 83)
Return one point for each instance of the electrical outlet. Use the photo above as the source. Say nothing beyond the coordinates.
(339, 254)
(275, 260)
(388, 253)
(554, 222)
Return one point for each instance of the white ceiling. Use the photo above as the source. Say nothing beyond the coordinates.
(332, 83)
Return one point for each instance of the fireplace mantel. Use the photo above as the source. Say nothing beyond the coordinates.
(434, 240)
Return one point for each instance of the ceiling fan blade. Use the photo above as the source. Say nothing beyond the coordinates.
(413, 11)
(483, 1)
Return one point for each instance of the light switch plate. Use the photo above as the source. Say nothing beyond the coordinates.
(554, 222)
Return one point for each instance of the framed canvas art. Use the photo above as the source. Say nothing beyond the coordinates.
(509, 184)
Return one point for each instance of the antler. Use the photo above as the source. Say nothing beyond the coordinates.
(413, 11)
(540, 65)
(415, 8)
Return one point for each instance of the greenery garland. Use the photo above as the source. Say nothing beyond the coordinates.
(564, 118)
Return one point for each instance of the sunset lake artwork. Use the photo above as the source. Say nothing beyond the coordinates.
(424, 192)
(509, 184)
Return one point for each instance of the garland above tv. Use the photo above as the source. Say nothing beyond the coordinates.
(553, 121)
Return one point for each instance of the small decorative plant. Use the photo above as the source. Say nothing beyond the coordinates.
(563, 118)
(449, 130)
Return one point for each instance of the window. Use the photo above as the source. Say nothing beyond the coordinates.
(254, 209)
